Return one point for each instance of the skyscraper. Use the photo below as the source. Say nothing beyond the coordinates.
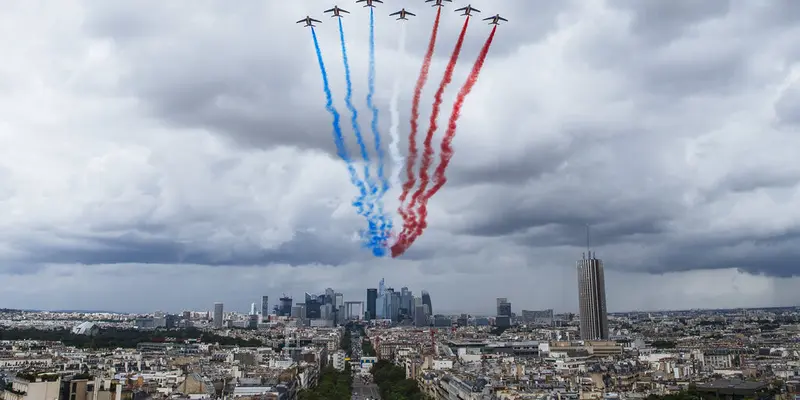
(218, 315)
(503, 318)
(426, 300)
(313, 306)
(592, 298)
(420, 319)
(264, 308)
(503, 307)
(372, 298)
(285, 306)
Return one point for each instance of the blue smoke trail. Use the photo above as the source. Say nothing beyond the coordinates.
(341, 149)
(373, 235)
(386, 221)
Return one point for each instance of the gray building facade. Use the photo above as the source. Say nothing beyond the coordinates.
(592, 298)
(218, 315)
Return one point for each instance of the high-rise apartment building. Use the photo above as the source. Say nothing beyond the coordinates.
(372, 298)
(218, 315)
(592, 298)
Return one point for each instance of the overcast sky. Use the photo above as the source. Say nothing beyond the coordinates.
(167, 155)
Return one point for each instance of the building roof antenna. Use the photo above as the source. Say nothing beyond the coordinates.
(588, 242)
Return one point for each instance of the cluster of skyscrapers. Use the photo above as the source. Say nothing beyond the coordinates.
(329, 308)
(386, 303)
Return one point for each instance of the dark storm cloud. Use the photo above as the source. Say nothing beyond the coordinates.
(750, 181)
(772, 255)
(303, 249)
(662, 21)
(716, 72)
(559, 214)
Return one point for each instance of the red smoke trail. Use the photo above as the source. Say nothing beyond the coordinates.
(410, 221)
(447, 148)
(412, 136)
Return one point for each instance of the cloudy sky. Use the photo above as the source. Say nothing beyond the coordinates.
(167, 155)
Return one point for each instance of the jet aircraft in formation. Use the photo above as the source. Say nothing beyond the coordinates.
(468, 10)
(495, 19)
(402, 14)
(369, 2)
(438, 2)
(337, 12)
(308, 21)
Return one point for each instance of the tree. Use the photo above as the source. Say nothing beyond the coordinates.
(332, 385)
(392, 382)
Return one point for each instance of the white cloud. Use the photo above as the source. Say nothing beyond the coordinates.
(170, 147)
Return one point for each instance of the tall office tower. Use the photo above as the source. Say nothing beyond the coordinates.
(329, 294)
(284, 308)
(372, 298)
(420, 319)
(503, 318)
(388, 295)
(264, 308)
(252, 308)
(406, 302)
(417, 302)
(338, 300)
(313, 306)
(426, 300)
(217, 315)
(395, 308)
(503, 307)
(592, 298)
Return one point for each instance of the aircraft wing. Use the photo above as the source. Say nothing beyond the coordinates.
(460, 9)
(344, 11)
(502, 19)
(314, 20)
(475, 9)
(396, 13)
(486, 19)
(329, 10)
(302, 20)
(412, 14)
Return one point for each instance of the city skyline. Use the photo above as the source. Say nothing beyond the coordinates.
(172, 179)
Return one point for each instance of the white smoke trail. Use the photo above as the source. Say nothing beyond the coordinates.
(394, 150)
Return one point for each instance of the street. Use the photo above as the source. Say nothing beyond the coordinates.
(363, 391)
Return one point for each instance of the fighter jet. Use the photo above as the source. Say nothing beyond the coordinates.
(369, 2)
(308, 21)
(468, 10)
(402, 13)
(495, 19)
(438, 2)
(337, 12)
